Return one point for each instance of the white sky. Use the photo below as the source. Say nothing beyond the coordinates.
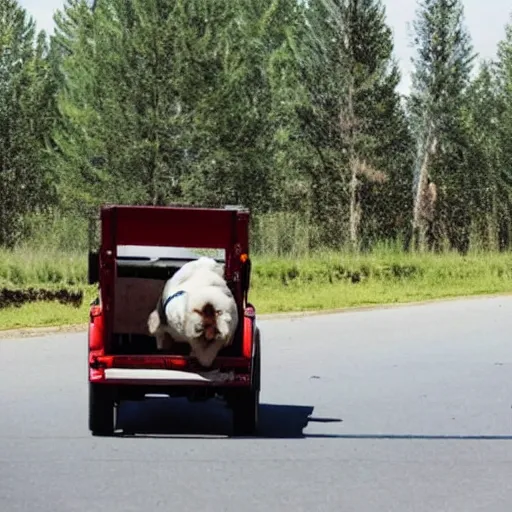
(485, 20)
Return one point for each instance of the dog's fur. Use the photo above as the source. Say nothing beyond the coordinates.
(203, 312)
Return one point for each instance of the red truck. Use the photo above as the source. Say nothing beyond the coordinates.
(140, 248)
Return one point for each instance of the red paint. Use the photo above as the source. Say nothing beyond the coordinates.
(248, 335)
(157, 362)
(96, 375)
(96, 331)
(173, 226)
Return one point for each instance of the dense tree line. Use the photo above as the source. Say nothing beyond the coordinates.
(285, 106)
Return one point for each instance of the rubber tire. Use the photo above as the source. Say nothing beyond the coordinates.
(245, 412)
(257, 361)
(246, 402)
(102, 410)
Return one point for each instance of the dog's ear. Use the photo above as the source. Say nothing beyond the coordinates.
(153, 322)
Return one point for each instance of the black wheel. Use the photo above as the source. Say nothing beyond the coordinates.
(102, 410)
(245, 412)
(246, 402)
(256, 374)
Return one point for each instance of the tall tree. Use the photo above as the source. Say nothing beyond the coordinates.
(120, 139)
(241, 69)
(501, 123)
(169, 100)
(487, 172)
(439, 82)
(26, 117)
(355, 119)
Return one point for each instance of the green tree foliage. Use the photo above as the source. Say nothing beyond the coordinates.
(502, 175)
(26, 120)
(440, 80)
(120, 138)
(227, 48)
(487, 187)
(355, 122)
(288, 107)
(167, 101)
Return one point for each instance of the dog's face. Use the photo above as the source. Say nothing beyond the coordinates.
(205, 322)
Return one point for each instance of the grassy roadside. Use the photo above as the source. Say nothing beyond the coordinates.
(324, 281)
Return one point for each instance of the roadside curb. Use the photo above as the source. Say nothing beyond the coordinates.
(32, 332)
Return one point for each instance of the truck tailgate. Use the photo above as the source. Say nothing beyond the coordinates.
(165, 370)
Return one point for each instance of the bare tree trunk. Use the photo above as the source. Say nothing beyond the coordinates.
(493, 223)
(422, 200)
(355, 206)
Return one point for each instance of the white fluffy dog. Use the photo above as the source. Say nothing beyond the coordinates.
(196, 307)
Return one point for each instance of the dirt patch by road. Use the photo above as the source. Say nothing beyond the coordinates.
(17, 297)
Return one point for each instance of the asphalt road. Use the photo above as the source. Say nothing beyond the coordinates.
(406, 409)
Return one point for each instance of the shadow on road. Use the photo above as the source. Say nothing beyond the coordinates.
(180, 418)
(177, 417)
(439, 437)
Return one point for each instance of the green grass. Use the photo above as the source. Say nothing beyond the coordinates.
(43, 314)
(325, 282)
(316, 282)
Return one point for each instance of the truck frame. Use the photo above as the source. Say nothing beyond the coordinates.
(140, 248)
